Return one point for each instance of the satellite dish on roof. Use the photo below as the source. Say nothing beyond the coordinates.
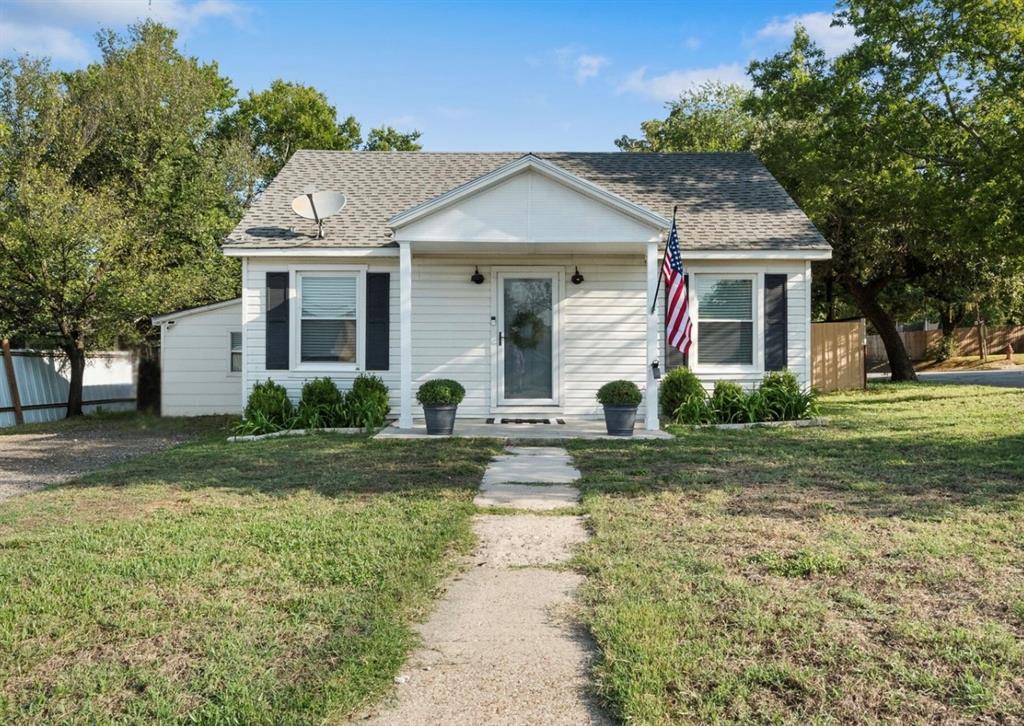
(318, 206)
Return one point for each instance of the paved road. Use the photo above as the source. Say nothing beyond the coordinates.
(1013, 378)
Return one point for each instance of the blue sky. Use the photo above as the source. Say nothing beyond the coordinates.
(530, 76)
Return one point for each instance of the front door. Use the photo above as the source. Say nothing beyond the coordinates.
(527, 338)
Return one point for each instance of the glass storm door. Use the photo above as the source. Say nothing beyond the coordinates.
(527, 338)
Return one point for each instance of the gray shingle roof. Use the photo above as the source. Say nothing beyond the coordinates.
(726, 201)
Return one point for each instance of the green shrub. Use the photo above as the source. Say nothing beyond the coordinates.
(441, 392)
(619, 393)
(367, 404)
(679, 386)
(694, 412)
(783, 398)
(269, 406)
(729, 402)
(322, 405)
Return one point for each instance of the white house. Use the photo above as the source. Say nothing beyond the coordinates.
(529, 278)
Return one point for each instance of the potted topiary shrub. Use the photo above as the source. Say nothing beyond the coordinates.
(440, 399)
(620, 400)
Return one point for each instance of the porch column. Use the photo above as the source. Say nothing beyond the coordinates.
(405, 336)
(651, 395)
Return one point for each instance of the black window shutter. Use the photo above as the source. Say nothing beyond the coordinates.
(775, 323)
(277, 321)
(378, 320)
(673, 357)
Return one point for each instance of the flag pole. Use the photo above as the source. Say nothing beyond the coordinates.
(660, 274)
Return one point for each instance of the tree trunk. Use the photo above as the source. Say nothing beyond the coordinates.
(950, 317)
(866, 297)
(147, 384)
(76, 360)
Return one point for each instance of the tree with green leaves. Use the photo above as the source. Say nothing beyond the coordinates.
(904, 151)
(286, 117)
(710, 117)
(116, 193)
(388, 138)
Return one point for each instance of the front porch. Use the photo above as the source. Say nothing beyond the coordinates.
(532, 288)
(476, 428)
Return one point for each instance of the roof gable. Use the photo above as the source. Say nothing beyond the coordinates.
(528, 200)
(545, 169)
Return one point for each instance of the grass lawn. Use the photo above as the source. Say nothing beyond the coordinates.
(271, 582)
(868, 571)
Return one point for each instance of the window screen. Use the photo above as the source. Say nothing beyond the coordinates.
(725, 328)
(236, 352)
(328, 318)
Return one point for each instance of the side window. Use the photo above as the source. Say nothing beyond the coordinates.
(235, 364)
(725, 320)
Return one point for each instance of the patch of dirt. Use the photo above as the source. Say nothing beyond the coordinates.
(32, 461)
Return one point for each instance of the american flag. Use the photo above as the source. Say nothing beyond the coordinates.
(677, 308)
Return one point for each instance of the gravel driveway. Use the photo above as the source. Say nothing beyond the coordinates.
(33, 460)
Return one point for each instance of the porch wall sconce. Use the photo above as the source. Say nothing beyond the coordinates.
(577, 278)
(477, 277)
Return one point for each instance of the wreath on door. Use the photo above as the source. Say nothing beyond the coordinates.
(527, 330)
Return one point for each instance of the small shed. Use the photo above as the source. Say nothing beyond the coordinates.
(201, 360)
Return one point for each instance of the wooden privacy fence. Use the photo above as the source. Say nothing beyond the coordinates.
(837, 355)
(920, 342)
(34, 385)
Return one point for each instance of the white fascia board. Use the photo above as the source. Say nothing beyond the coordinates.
(757, 255)
(589, 189)
(177, 314)
(310, 251)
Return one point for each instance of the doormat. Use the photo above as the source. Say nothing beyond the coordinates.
(559, 421)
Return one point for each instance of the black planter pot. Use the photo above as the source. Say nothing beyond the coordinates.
(619, 420)
(440, 419)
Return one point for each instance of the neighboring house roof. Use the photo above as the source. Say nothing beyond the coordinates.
(185, 312)
(727, 201)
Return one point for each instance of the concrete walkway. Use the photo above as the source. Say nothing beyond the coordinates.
(502, 647)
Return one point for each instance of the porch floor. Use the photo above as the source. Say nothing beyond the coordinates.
(512, 433)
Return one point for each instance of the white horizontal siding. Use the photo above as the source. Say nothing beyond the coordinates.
(528, 207)
(603, 325)
(797, 292)
(195, 376)
(603, 333)
(254, 298)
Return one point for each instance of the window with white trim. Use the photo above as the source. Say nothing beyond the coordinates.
(725, 320)
(235, 355)
(328, 317)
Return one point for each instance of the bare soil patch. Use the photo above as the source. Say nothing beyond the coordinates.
(32, 461)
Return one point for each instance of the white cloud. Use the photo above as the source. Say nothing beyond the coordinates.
(582, 66)
(42, 40)
(588, 66)
(61, 29)
(121, 12)
(692, 42)
(668, 86)
(834, 40)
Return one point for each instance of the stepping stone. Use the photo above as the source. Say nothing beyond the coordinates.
(523, 465)
(527, 496)
(530, 477)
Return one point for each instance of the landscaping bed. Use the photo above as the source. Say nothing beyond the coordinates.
(868, 571)
(268, 583)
